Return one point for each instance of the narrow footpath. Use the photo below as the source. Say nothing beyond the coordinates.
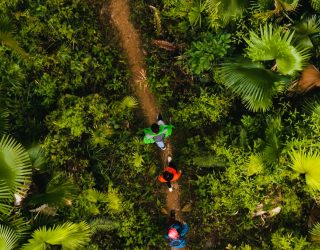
(129, 37)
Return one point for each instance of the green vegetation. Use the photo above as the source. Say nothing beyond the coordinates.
(248, 140)
(75, 173)
(65, 97)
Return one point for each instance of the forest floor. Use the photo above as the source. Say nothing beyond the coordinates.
(129, 37)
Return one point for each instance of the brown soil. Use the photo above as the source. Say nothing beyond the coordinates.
(130, 41)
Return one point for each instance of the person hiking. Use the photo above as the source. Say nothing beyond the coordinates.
(170, 174)
(177, 232)
(157, 133)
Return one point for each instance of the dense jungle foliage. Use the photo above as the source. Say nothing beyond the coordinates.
(237, 78)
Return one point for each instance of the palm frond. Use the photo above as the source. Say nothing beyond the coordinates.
(18, 224)
(59, 189)
(315, 233)
(195, 13)
(37, 157)
(68, 235)
(6, 36)
(315, 4)
(306, 29)
(212, 8)
(137, 162)
(6, 198)
(308, 26)
(312, 108)
(8, 238)
(262, 5)
(128, 102)
(275, 44)
(256, 85)
(255, 164)
(307, 163)
(4, 114)
(15, 163)
(101, 134)
(285, 5)
(114, 200)
(273, 147)
(95, 196)
(226, 10)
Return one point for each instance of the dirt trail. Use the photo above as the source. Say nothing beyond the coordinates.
(130, 40)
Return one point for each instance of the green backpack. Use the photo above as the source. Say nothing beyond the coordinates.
(148, 131)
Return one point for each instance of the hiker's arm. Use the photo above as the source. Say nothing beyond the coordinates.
(148, 136)
(185, 229)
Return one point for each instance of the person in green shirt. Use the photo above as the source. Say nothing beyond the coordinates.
(157, 133)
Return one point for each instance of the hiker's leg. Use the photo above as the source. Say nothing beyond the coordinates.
(160, 122)
(172, 218)
(160, 144)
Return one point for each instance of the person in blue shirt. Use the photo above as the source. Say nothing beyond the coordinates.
(176, 234)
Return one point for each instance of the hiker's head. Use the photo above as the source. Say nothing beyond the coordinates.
(155, 128)
(173, 233)
(167, 176)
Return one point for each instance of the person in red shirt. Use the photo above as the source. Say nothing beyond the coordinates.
(170, 174)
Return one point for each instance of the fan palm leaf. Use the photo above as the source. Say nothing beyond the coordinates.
(315, 233)
(227, 9)
(285, 5)
(68, 236)
(37, 157)
(312, 108)
(255, 164)
(95, 196)
(4, 114)
(15, 171)
(15, 163)
(273, 147)
(8, 238)
(256, 85)
(195, 12)
(127, 103)
(267, 8)
(307, 163)
(315, 4)
(306, 29)
(6, 197)
(59, 189)
(275, 44)
(17, 224)
(114, 200)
